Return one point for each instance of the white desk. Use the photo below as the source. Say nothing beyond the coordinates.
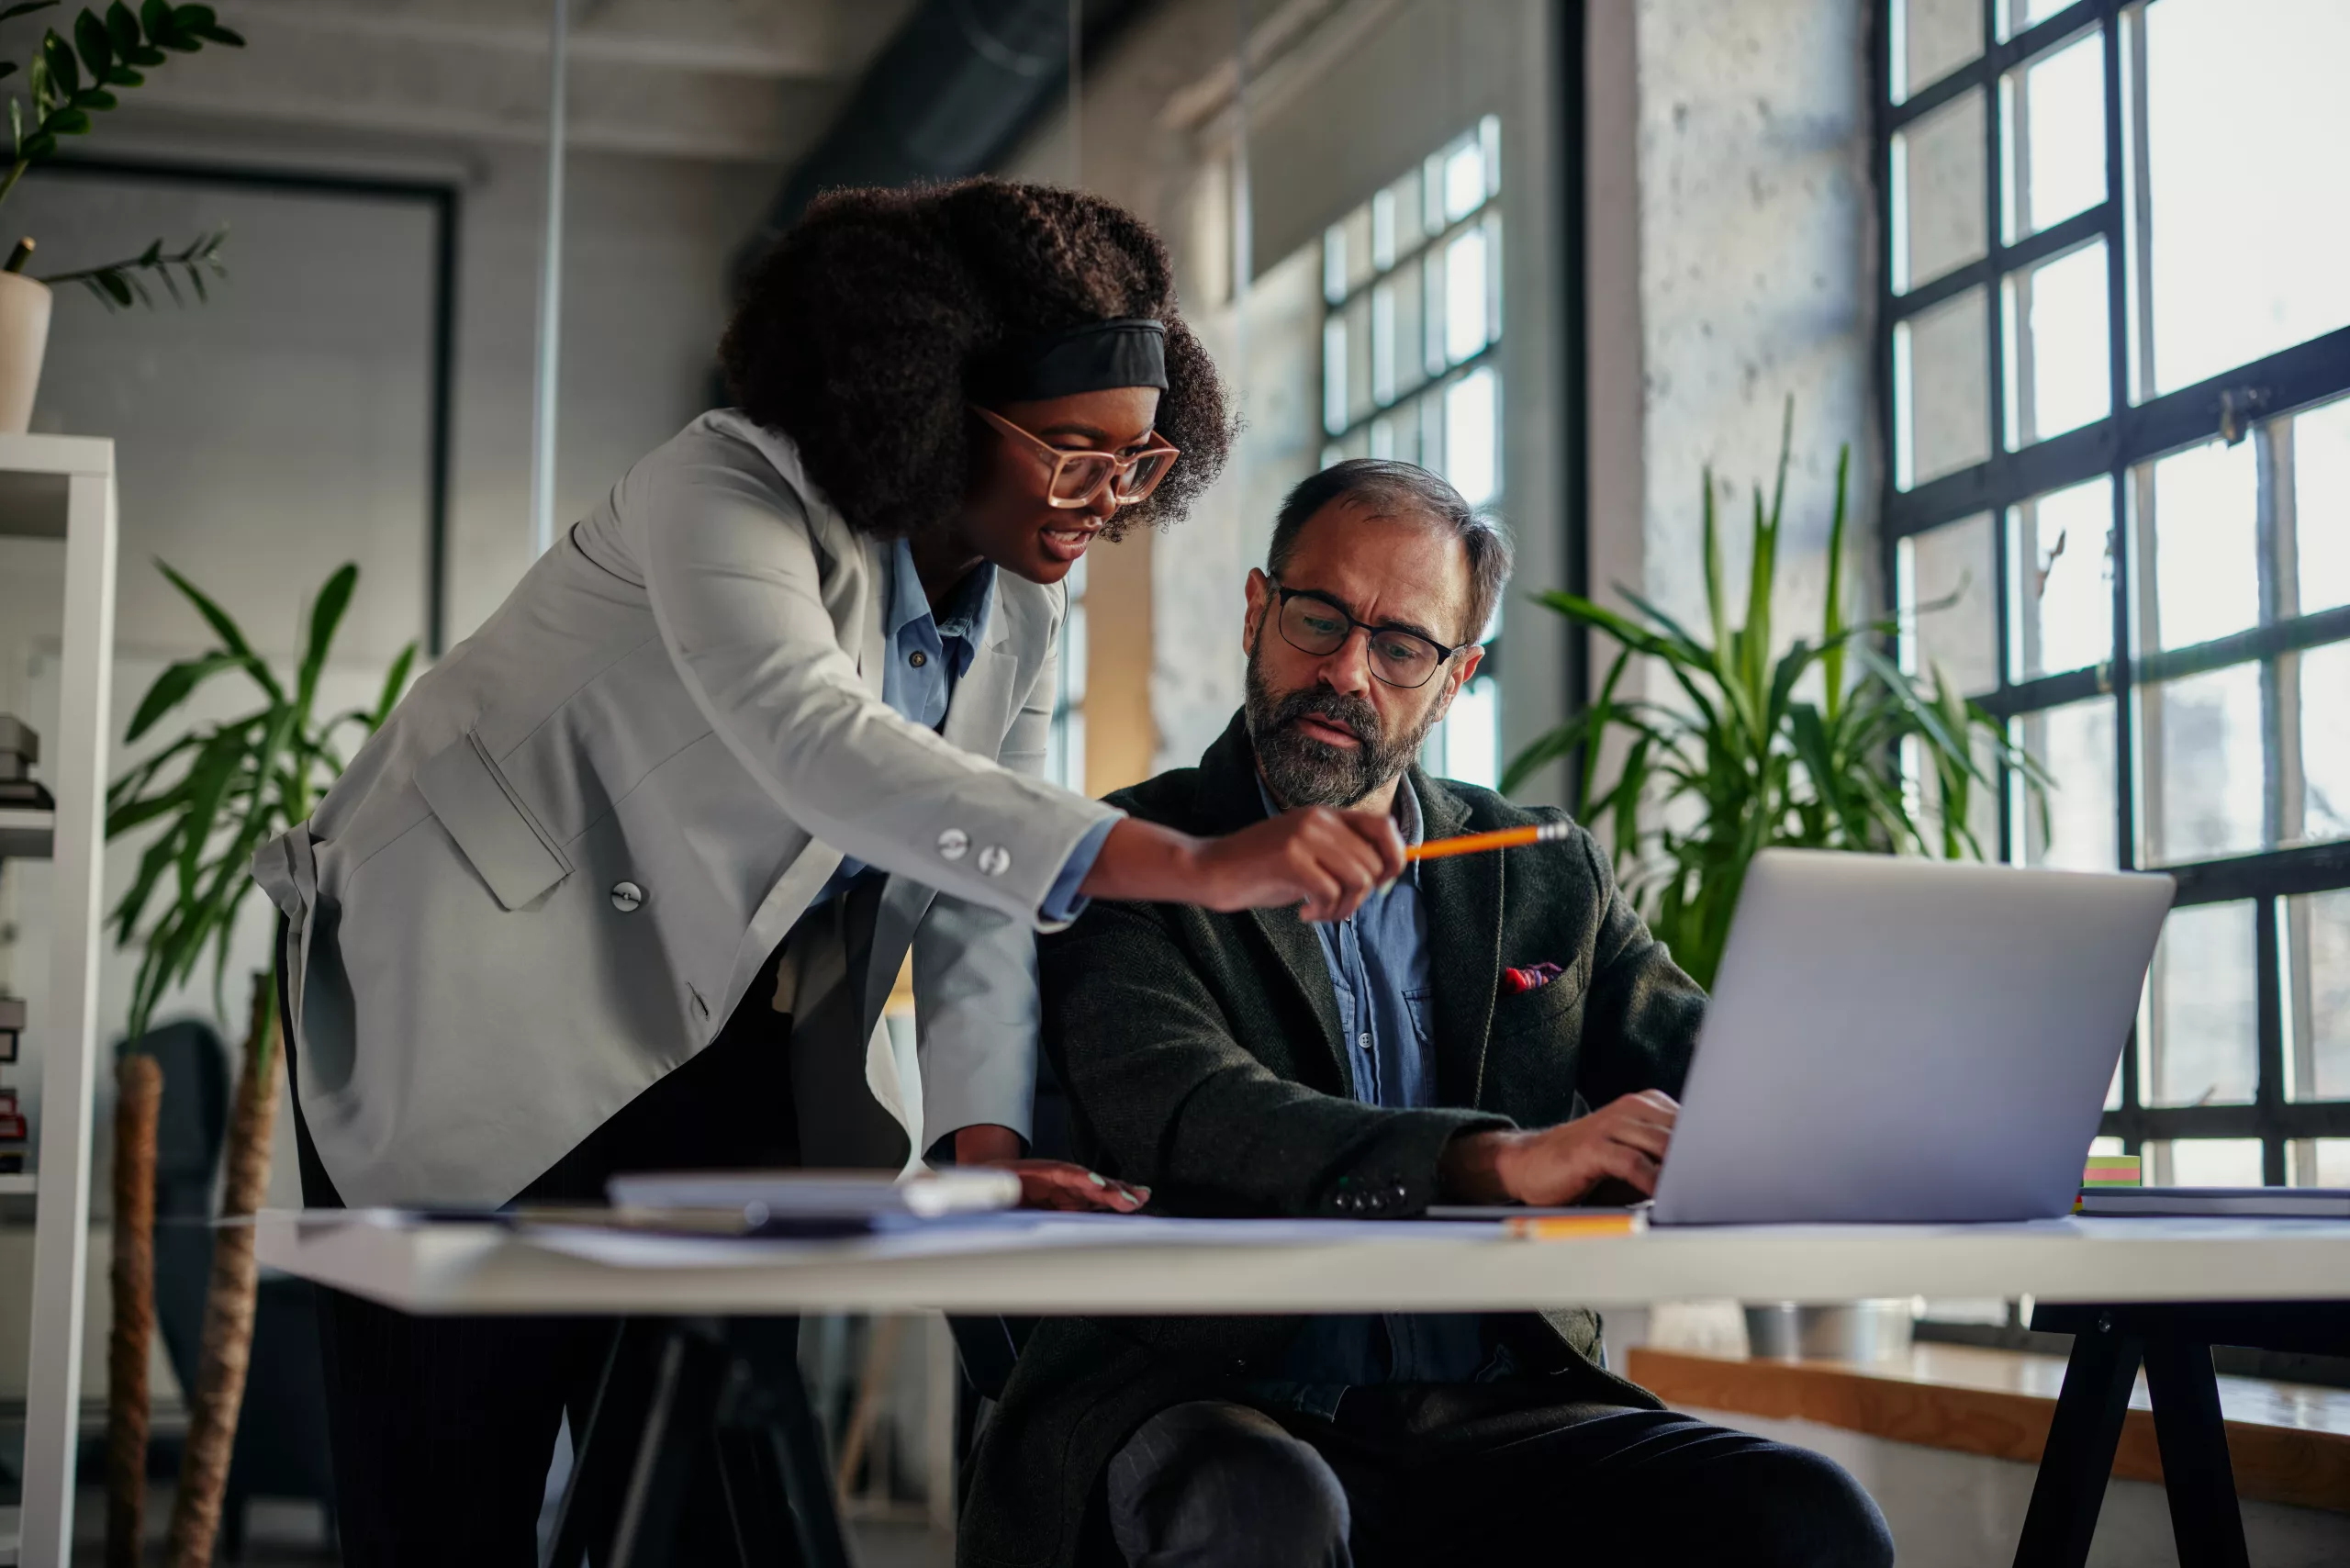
(1116, 1266)
(701, 1304)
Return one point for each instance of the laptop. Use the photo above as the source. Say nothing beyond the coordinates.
(1907, 1040)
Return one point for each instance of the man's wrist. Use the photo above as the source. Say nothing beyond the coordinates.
(1475, 1167)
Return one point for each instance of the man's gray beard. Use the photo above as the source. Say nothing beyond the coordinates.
(1302, 771)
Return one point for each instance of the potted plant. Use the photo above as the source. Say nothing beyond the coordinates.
(68, 82)
(221, 791)
(1805, 750)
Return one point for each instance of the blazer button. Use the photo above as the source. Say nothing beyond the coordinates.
(995, 860)
(627, 896)
(954, 844)
(917, 658)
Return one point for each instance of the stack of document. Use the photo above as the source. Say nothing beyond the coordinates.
(805, 1203)
(2257, 1203)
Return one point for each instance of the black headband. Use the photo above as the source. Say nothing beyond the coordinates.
(1094, 357)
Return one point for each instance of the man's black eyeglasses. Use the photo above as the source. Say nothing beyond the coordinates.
(1315, 624)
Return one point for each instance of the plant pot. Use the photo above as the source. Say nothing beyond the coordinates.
(1844, 1331)
(24, 339)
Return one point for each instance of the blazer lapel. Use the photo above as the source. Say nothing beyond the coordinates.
(1462, 894)
(976, 716)
(1231, 800)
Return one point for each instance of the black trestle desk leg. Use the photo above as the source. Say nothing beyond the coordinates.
(2193, 1437)
(774, 1414)
(2079, 1459)
(605, 1450)
(688, 1375)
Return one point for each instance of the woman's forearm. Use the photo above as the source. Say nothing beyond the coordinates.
(1320, 861)
(1145, 863)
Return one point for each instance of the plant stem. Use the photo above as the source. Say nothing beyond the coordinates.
(20, 256)
(134, 1307)
(15, 173)
(229, 1303)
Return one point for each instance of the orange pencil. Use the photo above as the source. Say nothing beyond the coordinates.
(1500, 838)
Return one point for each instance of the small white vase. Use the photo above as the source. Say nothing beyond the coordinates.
(24, 339)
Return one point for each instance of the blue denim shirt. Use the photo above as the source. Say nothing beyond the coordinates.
(928, 654)
(1378, 971)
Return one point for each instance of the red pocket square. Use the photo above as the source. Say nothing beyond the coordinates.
(1533, 977)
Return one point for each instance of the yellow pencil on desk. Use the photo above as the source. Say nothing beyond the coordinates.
(1500, 838)
(1568, 1227)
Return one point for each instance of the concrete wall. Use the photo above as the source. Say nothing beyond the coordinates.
(1756, 277)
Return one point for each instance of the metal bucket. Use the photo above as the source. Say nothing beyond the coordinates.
(1876, 1331)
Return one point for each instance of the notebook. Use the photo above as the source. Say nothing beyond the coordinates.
(2257, 1203)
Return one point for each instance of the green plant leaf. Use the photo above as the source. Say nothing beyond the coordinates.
(64, 73)
(225, 627)
(160, 857)
(90, 39)
(1831, 618)
(1543, 751)
(394, 683)
(326, 614)
(66, 122)
(172, 688)
(95, 98)
(155, 17)
(122, 28)
(26, 9)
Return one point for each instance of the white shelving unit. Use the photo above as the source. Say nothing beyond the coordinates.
(62, 488)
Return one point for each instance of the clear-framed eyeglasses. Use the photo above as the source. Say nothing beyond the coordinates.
(1079, 479)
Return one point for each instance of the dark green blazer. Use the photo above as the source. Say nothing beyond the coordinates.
(1202, 1058)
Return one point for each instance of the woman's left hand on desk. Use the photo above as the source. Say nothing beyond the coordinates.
(1046, 1184)
(1056, 1184)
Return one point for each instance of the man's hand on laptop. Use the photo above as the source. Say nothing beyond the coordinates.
(1624, 1138)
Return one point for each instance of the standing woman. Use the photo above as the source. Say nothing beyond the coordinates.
(625, 879)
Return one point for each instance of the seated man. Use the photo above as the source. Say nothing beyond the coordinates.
(1445, 1044)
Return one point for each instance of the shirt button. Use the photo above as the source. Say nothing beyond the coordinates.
(1362, 1041)
(917, 658)
(627, 896)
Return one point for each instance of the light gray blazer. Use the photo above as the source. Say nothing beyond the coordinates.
(551, 877)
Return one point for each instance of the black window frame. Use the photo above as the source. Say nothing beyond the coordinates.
(2233, 406)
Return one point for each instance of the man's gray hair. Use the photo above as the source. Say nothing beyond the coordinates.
(1386, 488)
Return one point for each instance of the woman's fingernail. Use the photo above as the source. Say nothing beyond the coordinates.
(1095, 1177)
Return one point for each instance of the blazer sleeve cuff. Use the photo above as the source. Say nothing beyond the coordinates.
(1063, 903)
(1395, 1175)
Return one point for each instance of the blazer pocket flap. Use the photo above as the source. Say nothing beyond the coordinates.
(491, 826)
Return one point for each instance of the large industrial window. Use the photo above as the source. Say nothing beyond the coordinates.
(2115, 357)
(1412, 287)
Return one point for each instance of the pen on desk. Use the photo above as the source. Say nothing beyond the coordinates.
(1500, 838)
(1568, 1227)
